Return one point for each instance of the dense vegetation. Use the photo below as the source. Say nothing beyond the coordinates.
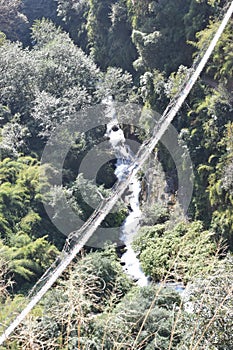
(58, 57)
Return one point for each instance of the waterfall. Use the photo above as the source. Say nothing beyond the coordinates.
(129, 229)
(132, 222)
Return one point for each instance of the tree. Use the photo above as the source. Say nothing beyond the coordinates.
(73, 16)
(121, 50)
(27, 258)
(50, 111)
(156, 30)
(82, 197)
(18, 78)
(197, 18)
(209, 325)
(24, 232)
(96, 282)
(12, 21)
(2, 38)
(4, 279)
(51, 83)
(155, 214)
(40, 9)
(219, 190)
(178, 254)
(20, 191)
(14, 136)
(98, 25)
(116, 83)
(62, 65)
(220, 65)
(142, 320)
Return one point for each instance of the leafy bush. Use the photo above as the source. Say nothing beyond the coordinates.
(177, 253)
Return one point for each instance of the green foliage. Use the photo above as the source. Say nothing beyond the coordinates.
(20, 192)
(196, 18)
(220, 65)
(40, 10)
(13, 141)
(92, 307)
(207, 143)
(151, 307)
(179, 253)
(12, 21)
(50, 83)
(219, 190)
(176, 81)
(18, 77)
(109, 34)
(83, 196)
(4, 279)
(156, 30)
(223, 58)
(27, 258)
(74, 19)
(121, 52)
(5, 114)
(116, 83)
(2, 38)
(155, 214)
(146, 45)
(20, 188)
(212, 198)
(20, 196)
(82, 193)
(106, 267)
(95, 283)
(152, 90)
(50, 111)
(44, 31)
(8, 307)
(99, 23)
(211, 311)
(53, 48)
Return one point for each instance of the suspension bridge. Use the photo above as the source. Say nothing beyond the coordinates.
(81, 236)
